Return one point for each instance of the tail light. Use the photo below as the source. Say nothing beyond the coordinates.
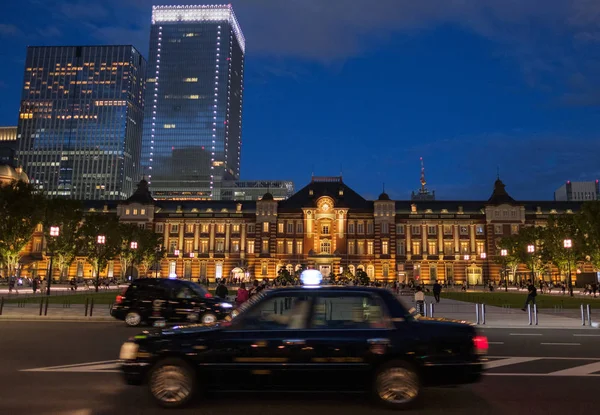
(120, 297)
(208, 295)
(480, 344)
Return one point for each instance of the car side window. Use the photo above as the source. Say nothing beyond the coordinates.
(347, 312)
(276, 313)
(185, 293)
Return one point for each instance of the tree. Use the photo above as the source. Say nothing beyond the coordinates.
(21, 210)
(362, 277)
(98, 254)
(284, 276)
(67, 214)
(587, 221)
(150, 248)
(127, 255)
(558, 229)
(513, 246)
(535, 261)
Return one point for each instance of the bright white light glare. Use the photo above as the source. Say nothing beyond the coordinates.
(311, 277)
(173, 276)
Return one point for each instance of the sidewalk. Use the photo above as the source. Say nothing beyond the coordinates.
(76, 312)
(499, 317)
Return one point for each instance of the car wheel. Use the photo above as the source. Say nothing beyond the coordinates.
(133, 319)
(396, 385)
(172, 383)
(208, 318)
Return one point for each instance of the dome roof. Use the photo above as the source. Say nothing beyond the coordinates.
(267, 196)
(384, 196)
(9, 174)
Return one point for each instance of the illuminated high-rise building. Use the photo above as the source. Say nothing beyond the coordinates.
(81, 118)
(193, 117)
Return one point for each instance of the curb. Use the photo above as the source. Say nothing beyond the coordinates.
(54, 319)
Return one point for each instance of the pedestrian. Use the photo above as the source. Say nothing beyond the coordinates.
(11, 285)
(531, 294)
(221, 290)
(420, 300)
(34, 285)
(242, 294)
(437, 289)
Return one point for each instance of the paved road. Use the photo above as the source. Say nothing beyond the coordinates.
(564, 379)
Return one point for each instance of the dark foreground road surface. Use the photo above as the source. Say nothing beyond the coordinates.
(74, 372)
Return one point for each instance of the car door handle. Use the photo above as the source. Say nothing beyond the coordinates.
(290, 342)
(378, 341)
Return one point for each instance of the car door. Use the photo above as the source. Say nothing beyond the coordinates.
(183, 304)
(348, 333)
(262, 346)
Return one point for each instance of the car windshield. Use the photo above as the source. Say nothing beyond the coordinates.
(245, 306)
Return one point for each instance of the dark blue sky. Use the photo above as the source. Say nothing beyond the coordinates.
(372, 85)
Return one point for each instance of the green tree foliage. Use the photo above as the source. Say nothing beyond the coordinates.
(150, 250)
(513, 246)
(588, 223)
(98, 255)
(284, 276)
(67, 215)
(557, 230)
(362, 277)
(21, 210)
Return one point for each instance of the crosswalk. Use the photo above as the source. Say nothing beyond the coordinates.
(543, 366)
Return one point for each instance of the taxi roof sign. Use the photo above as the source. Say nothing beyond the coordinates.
(311, 277)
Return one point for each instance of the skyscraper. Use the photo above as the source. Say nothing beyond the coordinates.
(193, 118)
(81, 119)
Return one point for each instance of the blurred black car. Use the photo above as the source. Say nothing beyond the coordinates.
(299, 339)
(149, 300)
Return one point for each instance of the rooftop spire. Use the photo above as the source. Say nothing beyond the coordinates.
(423, 193)
(423, 181)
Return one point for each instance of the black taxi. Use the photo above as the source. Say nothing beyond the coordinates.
(149, 300)
(301, 339)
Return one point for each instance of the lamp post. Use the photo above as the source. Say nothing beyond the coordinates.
(503, 253)
(568, 244)
(483, 256)
(467, 257)
(100, 241)
(176, 252)
(54, 233)
(133, 246)
(531, 250)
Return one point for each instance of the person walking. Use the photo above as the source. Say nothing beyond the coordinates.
(437, 289)
(34, 285)
(242, 295)
(531, 294)
(221, 291)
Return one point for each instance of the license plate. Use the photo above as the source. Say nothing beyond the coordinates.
(159, 323)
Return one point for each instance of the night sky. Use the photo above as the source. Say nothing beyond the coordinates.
(369, 86)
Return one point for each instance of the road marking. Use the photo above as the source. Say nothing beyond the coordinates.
(525, 334)
(586, 335)
(560, 344)
(537, 374)
(584, 370)
(551, 358)
(106, 366)
(495, 342)
(510, 361)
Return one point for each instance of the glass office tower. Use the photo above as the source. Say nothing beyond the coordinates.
(81, 118)
(193, 117)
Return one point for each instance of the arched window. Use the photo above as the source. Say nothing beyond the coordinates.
(352, 269)
(219, 270)
(371, 271)
(325, 247)
(386, 270)
(290, 268)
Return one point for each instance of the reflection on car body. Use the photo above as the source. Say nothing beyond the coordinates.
(330, 338)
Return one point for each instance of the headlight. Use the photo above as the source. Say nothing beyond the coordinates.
(129, 351)
(225, 305)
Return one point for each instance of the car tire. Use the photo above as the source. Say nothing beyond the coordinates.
(172, 383)
(396, 385)
(208, 318)
(133, 319)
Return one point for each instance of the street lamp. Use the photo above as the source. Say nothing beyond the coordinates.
(483, 256)
(133, 246)
(503, 254)
(54, 233)
(100, 241)
(568, 244)
(531, 250)
(467, 257)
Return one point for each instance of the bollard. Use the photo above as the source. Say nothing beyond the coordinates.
(41, 305)
(589, 314)
(1, 305)
(535, 314)
(476, 313)
(430, 310)
(425, 309)
(91, 307)
(529, 313)
(87, 301)
(582, 316)
(482, 313)
(46, 307)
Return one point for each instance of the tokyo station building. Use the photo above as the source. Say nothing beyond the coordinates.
(326, 226)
